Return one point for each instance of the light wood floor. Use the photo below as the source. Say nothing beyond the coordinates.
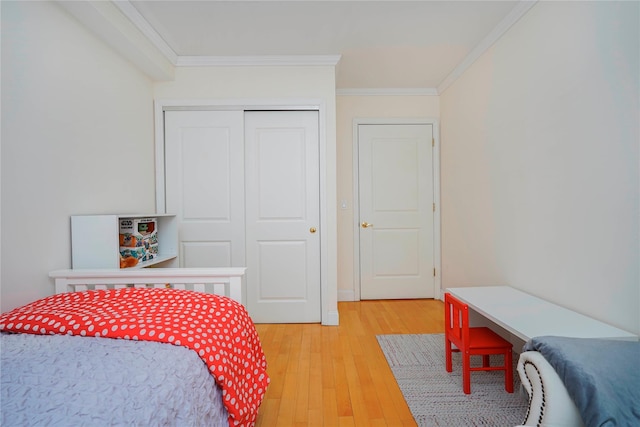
(337, 375)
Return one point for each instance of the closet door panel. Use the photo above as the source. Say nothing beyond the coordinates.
(204, 167)
(282, 216)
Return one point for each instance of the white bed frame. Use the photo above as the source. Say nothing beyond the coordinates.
(549, 402)
(219, 281)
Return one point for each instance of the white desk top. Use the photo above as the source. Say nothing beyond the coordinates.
(527, 316)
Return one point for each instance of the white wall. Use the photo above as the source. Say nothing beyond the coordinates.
(277, 85)
(350, 108)
(77, 137)
(540, 162)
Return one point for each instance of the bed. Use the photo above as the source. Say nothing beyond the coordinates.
(171, 347)
(575, 382)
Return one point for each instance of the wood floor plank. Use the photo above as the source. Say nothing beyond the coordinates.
(330, 407)
(337, 375)
(346, 422)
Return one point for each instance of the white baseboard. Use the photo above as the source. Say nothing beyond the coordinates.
(331, 318)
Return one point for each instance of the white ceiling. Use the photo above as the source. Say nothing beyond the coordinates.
(383, 44)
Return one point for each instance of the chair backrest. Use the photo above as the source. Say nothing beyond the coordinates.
(456, 314)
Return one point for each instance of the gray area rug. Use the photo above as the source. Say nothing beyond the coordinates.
(435, 396)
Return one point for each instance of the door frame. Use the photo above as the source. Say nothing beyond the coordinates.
(436, 196)
(329, 314)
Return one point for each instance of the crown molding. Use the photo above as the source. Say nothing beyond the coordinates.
(122, 27)
(152, 35)
(261, 60)
(117, 30)
(507, 22)
(427, 91)
(143, 25)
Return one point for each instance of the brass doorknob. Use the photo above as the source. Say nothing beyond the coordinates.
(312, 230)
(365, 224)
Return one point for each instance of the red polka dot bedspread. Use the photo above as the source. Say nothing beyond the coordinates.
(217, 328)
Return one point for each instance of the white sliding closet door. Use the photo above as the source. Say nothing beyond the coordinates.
(282, 216)
(245, 189)
(204, 179)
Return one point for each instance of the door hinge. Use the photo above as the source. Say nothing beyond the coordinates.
(434, 207)
(434, 272)
(433, 142)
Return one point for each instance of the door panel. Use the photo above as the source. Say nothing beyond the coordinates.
(204, 178)
(278, 280)
(282, 209)
(395, 252)
(203, 254)
(396, 206)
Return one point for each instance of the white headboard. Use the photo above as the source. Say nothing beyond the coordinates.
(219, 281)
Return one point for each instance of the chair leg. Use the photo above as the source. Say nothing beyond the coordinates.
(447, 352)
(508, 371)
(466, 373)
(485, 361)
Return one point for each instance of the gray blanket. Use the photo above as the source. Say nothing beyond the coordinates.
(61, 380)
(601, 376)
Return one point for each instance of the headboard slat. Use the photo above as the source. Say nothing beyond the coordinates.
(196, 279)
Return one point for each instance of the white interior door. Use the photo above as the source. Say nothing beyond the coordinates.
(282, 216)
(204, 185)
(395, 173)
